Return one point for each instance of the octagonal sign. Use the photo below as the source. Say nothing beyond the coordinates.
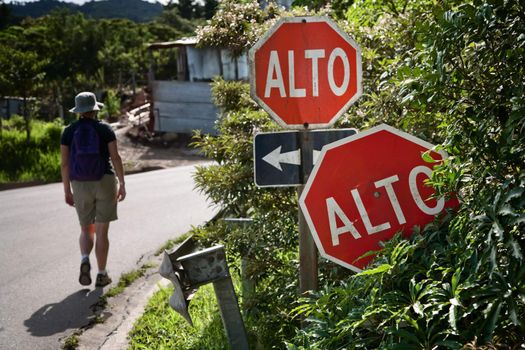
(366, 188)
(305, 72)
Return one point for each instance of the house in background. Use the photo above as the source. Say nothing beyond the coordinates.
(185, 104)
(11, 105)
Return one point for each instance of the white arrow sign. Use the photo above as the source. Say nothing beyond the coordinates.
(269, 156)
(275, 158)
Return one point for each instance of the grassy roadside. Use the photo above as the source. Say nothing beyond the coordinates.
(160, 327)
(126, 279)
(33, 160)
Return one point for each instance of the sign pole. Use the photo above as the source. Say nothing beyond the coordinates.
(308, 276)
(298, 48)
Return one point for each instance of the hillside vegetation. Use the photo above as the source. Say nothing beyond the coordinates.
(135, 10)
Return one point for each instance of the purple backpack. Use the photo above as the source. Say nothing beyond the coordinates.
(86, 161)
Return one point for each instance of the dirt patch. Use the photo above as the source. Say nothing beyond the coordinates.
(142, 154)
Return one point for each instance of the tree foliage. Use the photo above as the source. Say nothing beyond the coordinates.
(36, 159)
(79, 53)
(190, 9)
(49, 59)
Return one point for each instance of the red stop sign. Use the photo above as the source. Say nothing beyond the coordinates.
(364, 189)
(305, 70)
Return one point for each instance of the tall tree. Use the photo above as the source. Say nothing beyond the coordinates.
(22, 75)
(5, 15)
(210, 6)
(186, 9)
(6, 85)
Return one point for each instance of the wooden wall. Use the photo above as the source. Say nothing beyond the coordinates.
(183, 106)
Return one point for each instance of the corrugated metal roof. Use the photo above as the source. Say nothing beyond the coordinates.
(188, 41)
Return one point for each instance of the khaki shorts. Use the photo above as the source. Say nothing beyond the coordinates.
(96, 201)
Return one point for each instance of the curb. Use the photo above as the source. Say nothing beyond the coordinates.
(121, 312)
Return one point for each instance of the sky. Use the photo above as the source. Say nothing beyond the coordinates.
(80, 2)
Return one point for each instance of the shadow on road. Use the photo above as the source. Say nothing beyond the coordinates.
(75, 311)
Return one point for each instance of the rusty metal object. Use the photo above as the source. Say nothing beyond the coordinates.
(188, 268)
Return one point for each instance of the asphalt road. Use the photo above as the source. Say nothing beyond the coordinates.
(41, 300)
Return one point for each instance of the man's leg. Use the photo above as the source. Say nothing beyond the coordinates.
(87, 235)
(101, 250)
(102, 244)
(86, 239)
(106, 211)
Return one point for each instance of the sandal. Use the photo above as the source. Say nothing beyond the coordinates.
(102, 280)
(85, 273)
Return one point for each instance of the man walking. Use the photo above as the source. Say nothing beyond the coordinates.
(90, 185)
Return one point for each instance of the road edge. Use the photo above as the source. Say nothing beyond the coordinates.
(121, 312)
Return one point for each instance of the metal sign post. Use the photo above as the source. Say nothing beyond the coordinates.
(286, 159)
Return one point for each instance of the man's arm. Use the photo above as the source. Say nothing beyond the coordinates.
(64, 171)
(119, 169)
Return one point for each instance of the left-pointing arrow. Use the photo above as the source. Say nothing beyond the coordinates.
(275, 158)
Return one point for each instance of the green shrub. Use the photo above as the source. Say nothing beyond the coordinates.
(111, 109)
(230, 184)
(160, 327)
(16, 122)
(36, 160)
(461, 282)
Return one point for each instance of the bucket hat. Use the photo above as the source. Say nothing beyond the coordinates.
(86, 102)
